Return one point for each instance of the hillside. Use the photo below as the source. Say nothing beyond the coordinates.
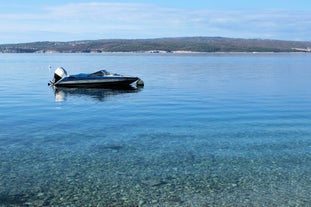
(194, 44)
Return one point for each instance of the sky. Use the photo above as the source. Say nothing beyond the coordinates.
(68, 20)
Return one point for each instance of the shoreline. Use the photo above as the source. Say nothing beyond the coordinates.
(158, 52)
(160, 45)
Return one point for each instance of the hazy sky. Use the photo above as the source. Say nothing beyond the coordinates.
(64, 20)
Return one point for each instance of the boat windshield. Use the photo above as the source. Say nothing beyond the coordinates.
(100, 73)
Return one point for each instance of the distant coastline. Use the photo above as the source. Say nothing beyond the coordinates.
(160, 45)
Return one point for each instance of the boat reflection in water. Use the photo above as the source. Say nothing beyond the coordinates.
(97, 94)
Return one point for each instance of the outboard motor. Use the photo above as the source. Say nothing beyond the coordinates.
(59, 74)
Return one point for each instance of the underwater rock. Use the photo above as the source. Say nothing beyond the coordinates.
(153, 182)
(110, 147)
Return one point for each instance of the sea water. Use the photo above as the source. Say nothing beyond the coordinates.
(206, 130)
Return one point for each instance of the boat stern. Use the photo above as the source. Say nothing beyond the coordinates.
(58, 75)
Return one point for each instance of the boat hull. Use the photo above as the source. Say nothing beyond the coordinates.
(97, 82)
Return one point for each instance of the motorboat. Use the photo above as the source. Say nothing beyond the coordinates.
(99, 79)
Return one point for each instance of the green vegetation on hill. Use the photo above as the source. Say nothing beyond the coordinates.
(194, 44)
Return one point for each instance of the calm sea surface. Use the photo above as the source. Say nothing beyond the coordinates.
(206, 130)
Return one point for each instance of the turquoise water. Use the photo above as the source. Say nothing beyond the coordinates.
(206, 130)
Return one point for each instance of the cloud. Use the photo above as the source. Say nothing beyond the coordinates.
(131, 20)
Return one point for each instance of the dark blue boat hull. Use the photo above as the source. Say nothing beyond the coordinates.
(96, 82)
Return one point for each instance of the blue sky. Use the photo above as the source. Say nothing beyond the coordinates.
(65, 20)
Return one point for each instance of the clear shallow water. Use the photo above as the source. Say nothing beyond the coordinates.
(206, 130)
